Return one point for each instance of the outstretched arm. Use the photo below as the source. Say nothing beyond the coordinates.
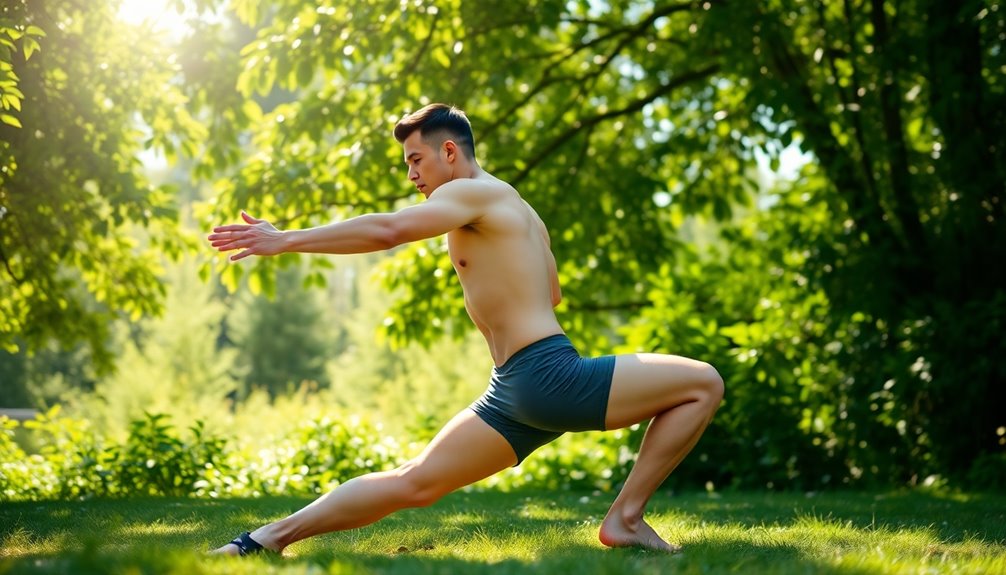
(453, 205)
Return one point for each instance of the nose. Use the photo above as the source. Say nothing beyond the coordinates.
(413, 174)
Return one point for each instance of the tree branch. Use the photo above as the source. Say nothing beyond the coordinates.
(10, 271)
(855, 116)
(906, 209)
(628, 33)
(661, 90)
(423, 47)
(834, 157)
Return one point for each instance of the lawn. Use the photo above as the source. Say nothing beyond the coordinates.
(528, 532)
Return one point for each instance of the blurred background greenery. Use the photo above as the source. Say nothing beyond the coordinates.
(807, 194)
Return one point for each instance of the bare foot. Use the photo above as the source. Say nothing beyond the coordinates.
(229, 549)
(616, 532)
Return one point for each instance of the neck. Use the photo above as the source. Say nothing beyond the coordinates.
(468, 170)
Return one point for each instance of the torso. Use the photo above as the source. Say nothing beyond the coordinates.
(503, 264)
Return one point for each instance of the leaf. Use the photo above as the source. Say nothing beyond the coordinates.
(255, 283)
(30, 47)
(305, 72)
(440, 55)
(11, 101)
(10, 120)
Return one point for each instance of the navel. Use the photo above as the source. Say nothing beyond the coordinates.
(462, 263)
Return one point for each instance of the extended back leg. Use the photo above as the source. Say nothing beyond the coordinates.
(465, 451)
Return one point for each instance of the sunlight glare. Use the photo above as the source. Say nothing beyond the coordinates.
(158, 13)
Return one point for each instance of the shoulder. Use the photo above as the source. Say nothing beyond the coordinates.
(471, 190)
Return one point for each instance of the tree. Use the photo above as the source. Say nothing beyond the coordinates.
(622, 120)
(81, 230)
(902, 104)
(283, 338)
(171, 364)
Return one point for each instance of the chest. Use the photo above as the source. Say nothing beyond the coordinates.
(463, 247)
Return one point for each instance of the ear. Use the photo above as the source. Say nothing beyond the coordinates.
(451, 149)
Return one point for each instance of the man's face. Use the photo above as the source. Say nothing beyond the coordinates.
(429, 167)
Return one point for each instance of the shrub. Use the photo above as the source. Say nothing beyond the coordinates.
(591, 460)
(15, 478)
(988, 472)
(315, 457)
(72, 461)
(155, 459)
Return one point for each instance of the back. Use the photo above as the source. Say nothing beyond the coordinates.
(505, 266)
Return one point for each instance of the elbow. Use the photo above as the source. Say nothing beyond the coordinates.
(389, 235)
(388, 240)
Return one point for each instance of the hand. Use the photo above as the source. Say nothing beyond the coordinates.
(257, 238)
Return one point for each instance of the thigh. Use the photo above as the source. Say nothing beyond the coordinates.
(466, 450)
(646, 384)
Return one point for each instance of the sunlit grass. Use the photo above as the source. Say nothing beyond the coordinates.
(534, 532)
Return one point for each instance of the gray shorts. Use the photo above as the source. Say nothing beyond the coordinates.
(544, 390)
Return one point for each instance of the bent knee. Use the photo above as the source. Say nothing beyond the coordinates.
(711, 384)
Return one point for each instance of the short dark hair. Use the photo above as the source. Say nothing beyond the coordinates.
(435, 120)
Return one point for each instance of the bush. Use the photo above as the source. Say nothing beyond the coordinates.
(576, 461)
(313, 458)
(988, 472)
(72, 461)
(15, 473)
(155, 459)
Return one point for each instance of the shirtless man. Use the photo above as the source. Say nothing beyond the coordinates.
(540, 386)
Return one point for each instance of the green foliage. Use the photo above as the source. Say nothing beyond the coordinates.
(154, 461)
(45, 377)
(16, 35)
(170, 364)
(582, 461)
(77, 461)
(283, 337)
(16, 480)
(989, 473)
(889, 100)
(856, 312)
(72, 461)
(325, 452)
(622, 123)
(73, 203)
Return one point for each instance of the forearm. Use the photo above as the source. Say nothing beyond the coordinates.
(367, 233)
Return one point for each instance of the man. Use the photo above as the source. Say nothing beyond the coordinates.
(540, 386)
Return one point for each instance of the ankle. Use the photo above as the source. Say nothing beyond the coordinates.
(626, 515)
(271, 537)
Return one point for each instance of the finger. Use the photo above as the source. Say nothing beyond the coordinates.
(226, 236)
(233, 243)
(242, 255)
(230, 240)
(231, 228)
(249, 219)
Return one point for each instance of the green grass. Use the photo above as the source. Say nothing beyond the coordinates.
(519, 533)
